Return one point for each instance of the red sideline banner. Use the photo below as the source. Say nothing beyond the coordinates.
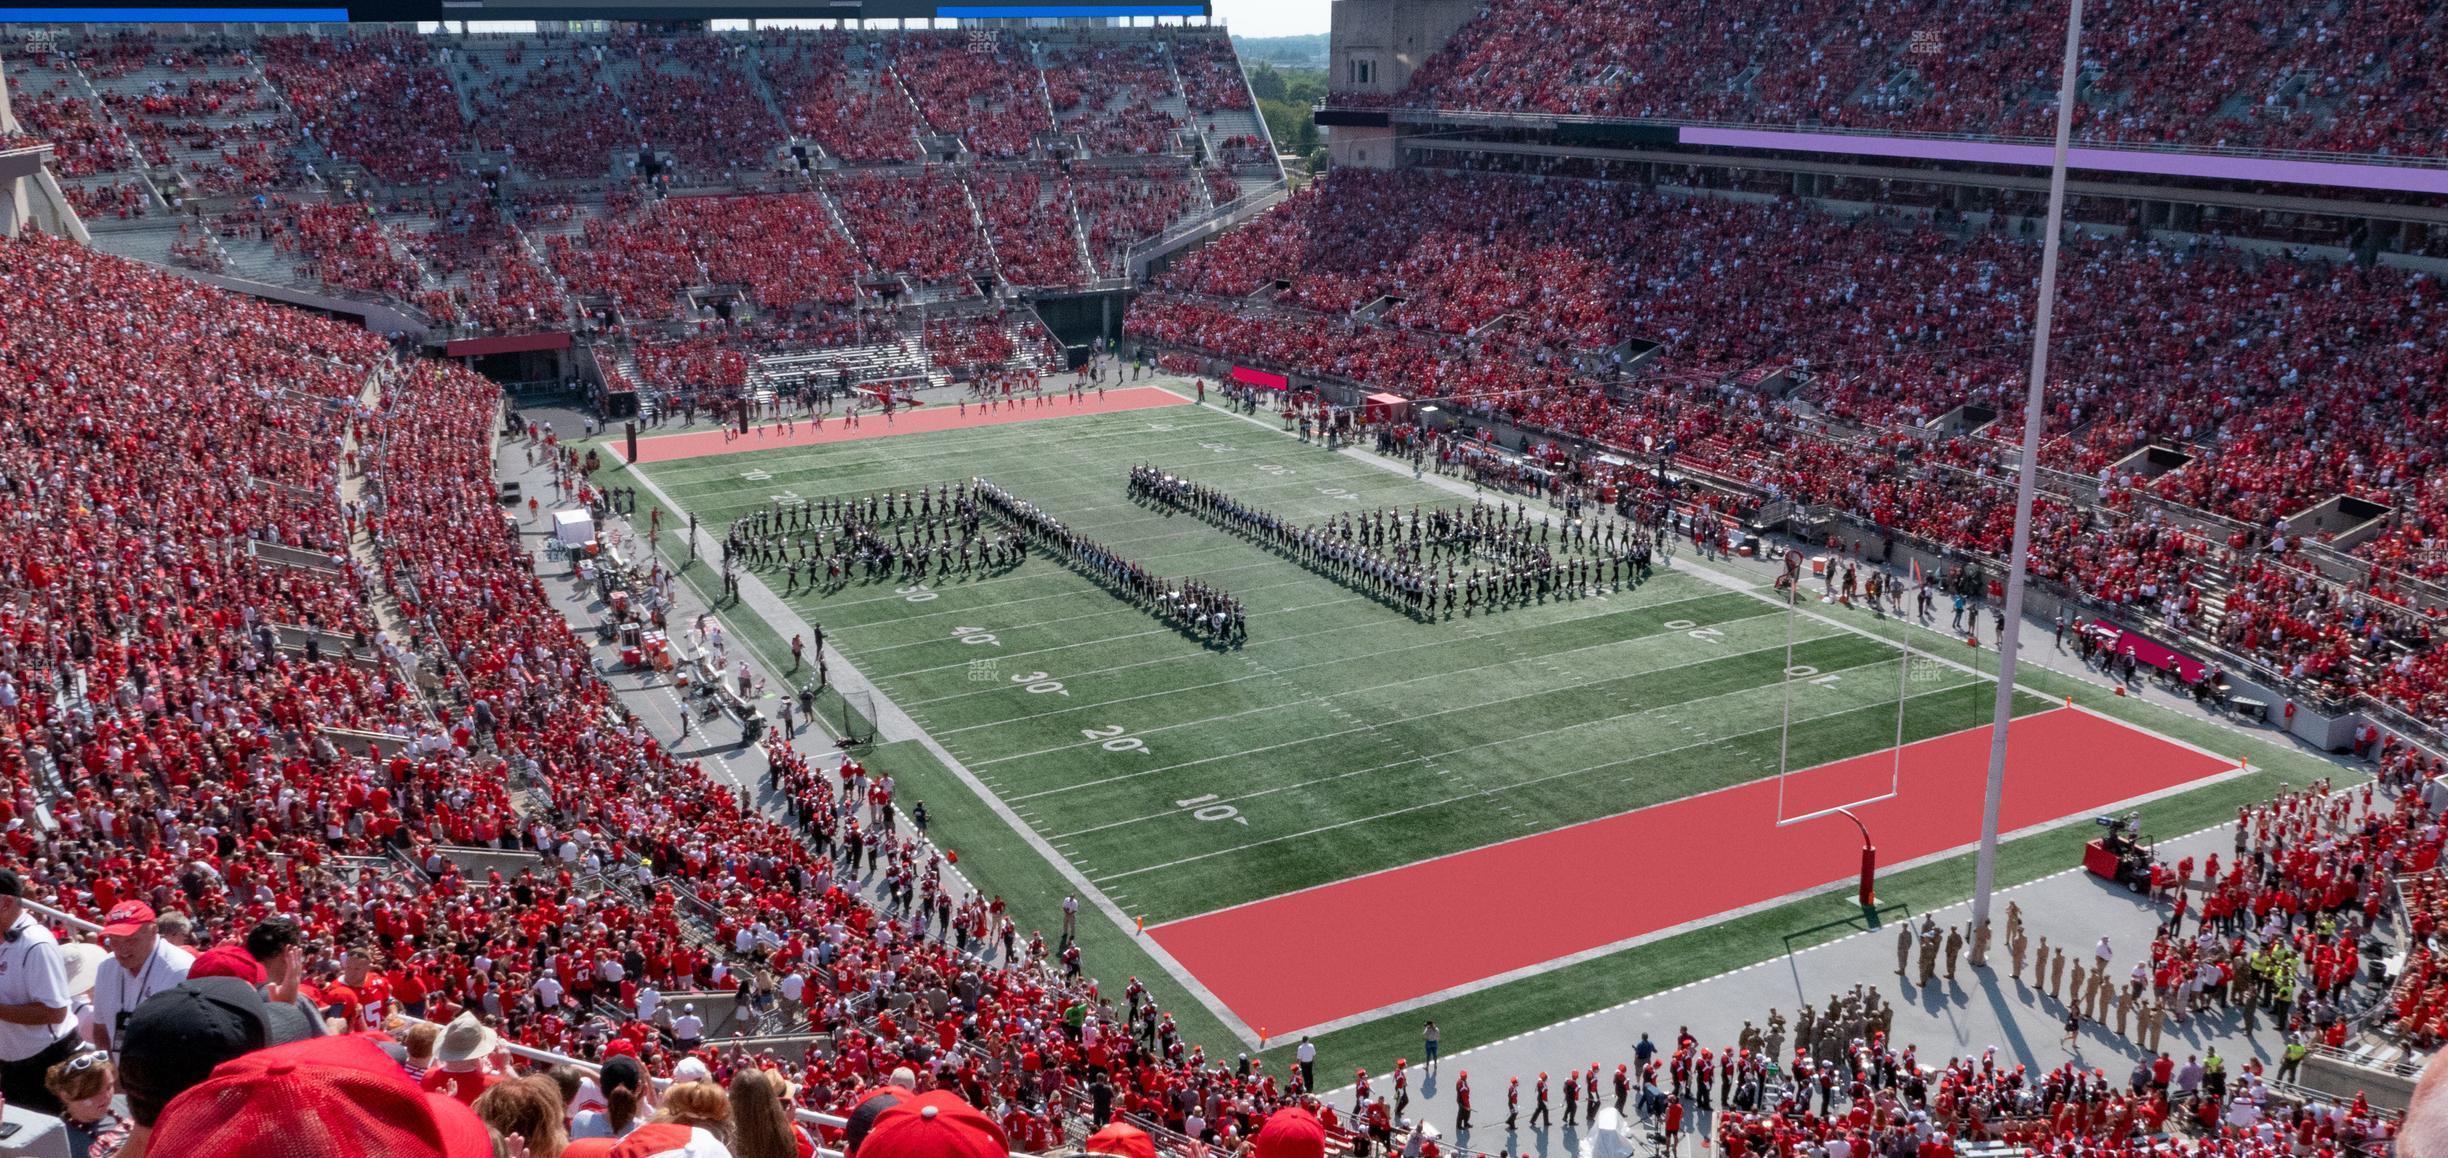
(1250, 377)
(511, 344)
(2152, 653)
(2147, 651)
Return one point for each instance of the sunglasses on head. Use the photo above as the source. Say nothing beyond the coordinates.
(86, 1060)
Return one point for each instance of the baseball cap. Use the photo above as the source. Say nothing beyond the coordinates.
(862, 1117)
(230, 960)
(328, 1097)
(126, 917)
(10, 884)
(935, 1124)
(1121, 1140)
(1291, 1132)
(621, 1070)
(178, 1035)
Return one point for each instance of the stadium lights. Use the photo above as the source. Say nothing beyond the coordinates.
(1984, 874)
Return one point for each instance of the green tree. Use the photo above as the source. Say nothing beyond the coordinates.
(1304, 86)
(1290, 125)
(1266, 83)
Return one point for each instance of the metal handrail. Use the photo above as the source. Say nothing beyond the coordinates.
(1207, 220)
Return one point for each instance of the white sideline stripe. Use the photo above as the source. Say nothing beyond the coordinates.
(1712, 742)
(1736, 584)
(1070, 872)
(1512, 975)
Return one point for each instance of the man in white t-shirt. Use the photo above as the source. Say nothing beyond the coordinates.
(688, 1027)
(547, 991)
(37, 1018)
(141, 964)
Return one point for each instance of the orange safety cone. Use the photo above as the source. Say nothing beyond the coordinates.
(1143, 924)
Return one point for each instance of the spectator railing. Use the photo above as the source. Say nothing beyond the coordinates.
(1135, 259)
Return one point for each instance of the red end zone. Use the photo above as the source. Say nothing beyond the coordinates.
(1307, 958)
(923, 420)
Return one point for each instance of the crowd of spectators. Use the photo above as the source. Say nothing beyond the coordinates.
(1119, 207)
(983, 91)
(691, 96)
(1108, 92)
(1211, 77)
(1497, 293)
(338, 244)
(858, 113)
(84, 141)
(2299, 76)
(694, 362)
(491, 281)
(2231, 356)
(921, 226)
(376, 100)
(1030, 220)
(1222, 187)
(549, 105)
(782, 248)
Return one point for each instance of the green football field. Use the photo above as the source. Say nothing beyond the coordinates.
(1342, 737)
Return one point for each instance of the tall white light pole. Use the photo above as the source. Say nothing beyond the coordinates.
(2027, 479)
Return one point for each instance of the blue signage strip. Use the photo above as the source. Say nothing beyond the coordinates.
(1058, 11)
(173, 16)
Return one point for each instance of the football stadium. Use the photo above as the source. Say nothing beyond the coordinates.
(1609, 578)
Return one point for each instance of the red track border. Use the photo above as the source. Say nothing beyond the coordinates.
(1338, 951)
(922, 420)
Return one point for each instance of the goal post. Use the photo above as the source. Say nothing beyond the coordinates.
(857, 723)
(1799, 804)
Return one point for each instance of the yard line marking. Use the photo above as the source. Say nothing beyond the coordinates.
(1067, 709)
(1111, 606)
(1107, 639)
(1071, 746)
(1399, 763)
(1465, 796)
(1370, 625)
(761, 598)
(1433, 757)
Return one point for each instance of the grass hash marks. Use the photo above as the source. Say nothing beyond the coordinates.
(1337, 740)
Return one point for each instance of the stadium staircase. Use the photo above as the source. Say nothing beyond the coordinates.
(752, 61)
(81, 89)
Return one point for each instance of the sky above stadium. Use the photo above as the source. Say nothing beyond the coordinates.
(1274, 17)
